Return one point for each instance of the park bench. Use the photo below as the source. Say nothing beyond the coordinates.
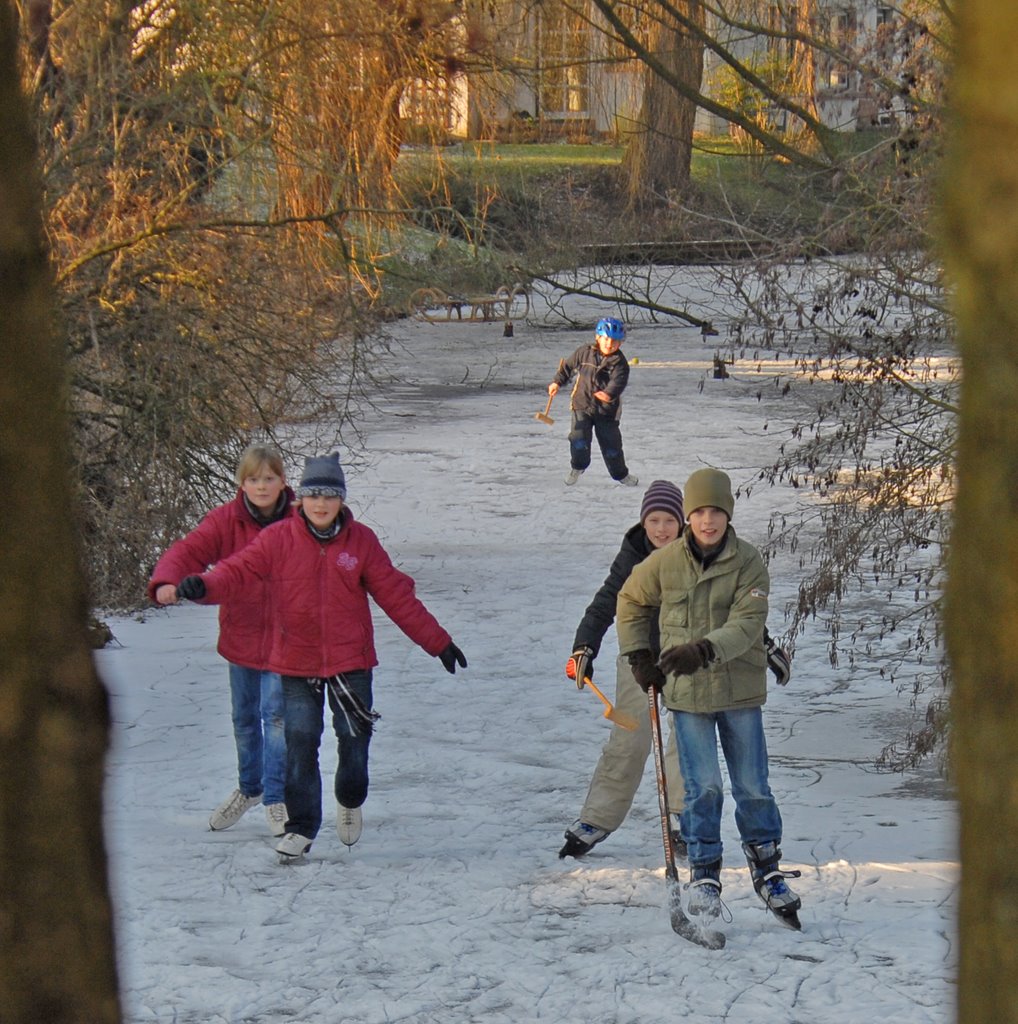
(437, 306)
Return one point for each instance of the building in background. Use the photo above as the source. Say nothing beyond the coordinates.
(553, 70)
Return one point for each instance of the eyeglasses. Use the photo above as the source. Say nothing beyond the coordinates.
(318, 492)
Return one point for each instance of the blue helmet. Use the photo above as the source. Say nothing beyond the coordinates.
(611, 328)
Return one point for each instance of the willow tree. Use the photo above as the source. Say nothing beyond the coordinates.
(56, 939)
(208, 167)
(659, 148)
(981, 244)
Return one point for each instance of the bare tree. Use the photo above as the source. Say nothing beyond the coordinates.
(56, 939)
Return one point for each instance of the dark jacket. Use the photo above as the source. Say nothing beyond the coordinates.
(594, 372)
(245, 635)
(600, 613)
(321, 624)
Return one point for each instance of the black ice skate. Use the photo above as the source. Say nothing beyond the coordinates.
(581, 838)
(769, 882)
(705, 890)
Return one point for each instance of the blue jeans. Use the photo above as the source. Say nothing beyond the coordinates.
(305, 705)
(745, 748)
(257, 702)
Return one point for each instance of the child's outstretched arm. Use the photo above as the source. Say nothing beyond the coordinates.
(231, 574)
(190, 555)
(393, 591)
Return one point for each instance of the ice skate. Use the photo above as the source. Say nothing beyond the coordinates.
(573, 476)
(679, 846)
(629, 480)
(581, 838)
(276, 816)
(349, 823)
(292, 847)
(231, 810)
(769, 882)
(705, 890)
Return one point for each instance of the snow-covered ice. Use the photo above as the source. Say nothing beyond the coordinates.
(454, 906)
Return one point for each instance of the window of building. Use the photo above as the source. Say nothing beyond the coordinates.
(634, 16)
(563, 46)
(843, 26)
(839, 77)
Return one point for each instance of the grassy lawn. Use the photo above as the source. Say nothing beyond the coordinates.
(545, 199)
(718, 164)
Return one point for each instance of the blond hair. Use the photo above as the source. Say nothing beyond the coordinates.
(255, 456)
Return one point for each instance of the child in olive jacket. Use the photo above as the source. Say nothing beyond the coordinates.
(709, 591)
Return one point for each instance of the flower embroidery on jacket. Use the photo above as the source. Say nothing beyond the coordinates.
(347, 561)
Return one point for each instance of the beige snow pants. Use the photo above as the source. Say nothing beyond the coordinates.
(620, 768)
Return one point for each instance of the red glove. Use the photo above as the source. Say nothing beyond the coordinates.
(580, 665)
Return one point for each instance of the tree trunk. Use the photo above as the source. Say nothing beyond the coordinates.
(56, 943)
(660, 150)
(981, 239)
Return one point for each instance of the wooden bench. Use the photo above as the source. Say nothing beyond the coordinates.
(436, 306)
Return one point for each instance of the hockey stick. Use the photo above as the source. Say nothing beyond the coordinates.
(622, 720)
(681, 924)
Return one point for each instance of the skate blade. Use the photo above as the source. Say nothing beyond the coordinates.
(789, 920)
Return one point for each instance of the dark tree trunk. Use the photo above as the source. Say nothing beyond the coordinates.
(981, 246)
(659, 153)
(56, 942)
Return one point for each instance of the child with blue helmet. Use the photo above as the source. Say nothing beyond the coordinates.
(602, 373)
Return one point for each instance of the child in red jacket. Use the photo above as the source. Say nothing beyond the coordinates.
(256, 694)
(322, 566)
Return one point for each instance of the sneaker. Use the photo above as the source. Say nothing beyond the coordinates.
(276, 816)
(581, 838)
(292, 847)
(705, 890)
(348, 824)
(574, 475)
(629, 480)
(231, 810)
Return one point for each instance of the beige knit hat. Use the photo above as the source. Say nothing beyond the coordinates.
(709, 487)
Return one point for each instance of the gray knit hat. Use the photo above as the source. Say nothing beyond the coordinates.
(322, 477)
(709, 487)
(662, 496)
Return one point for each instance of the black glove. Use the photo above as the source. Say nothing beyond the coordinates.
(778, 662)
(685, 659)
(580, 665)
(191, 588)
(451, 657)
(647, 675)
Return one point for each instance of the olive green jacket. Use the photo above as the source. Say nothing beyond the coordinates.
(725, 604)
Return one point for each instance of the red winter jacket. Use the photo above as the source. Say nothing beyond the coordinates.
(321, 617)
(245, 635)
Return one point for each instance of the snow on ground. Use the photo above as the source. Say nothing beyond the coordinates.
(454, 907)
